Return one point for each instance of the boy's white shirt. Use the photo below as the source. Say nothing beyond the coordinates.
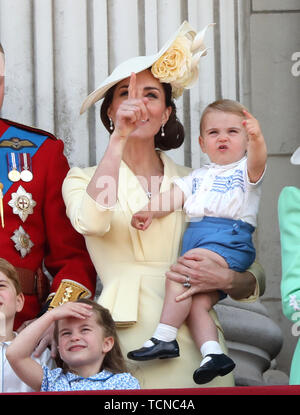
(9, 382)
(240, 203)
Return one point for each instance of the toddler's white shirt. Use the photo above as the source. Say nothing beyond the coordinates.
(223, 191)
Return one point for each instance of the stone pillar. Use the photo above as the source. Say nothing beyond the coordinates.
(252, 338)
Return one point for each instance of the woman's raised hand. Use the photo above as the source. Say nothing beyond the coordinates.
(131, 111)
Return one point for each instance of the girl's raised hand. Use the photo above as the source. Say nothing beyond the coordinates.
(131, 111)
(72, 309)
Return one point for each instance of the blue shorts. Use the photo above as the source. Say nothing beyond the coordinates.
(231, 239)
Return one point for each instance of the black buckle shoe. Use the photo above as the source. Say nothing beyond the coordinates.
(219, 365)
(160, 350)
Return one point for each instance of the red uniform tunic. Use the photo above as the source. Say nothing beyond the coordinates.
(46, 235)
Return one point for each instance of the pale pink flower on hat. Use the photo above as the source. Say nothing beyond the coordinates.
(178, 66)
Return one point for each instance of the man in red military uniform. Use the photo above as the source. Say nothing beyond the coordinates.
(35, 232)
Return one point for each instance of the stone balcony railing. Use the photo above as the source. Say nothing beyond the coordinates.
(252, 338)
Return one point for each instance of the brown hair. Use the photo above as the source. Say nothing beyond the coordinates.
(223, 105)
(113, 360)
(174, 131)
(9, 270)
(1, 49)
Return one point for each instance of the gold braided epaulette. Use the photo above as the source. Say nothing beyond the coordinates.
(69, 291)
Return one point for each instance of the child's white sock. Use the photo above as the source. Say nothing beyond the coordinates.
(163, 332)
(209, 347)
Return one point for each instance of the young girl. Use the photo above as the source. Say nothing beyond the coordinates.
(221, 199)
(88, 346)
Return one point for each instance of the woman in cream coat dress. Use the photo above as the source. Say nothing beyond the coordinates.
(101, 200)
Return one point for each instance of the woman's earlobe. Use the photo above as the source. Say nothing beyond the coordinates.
(166, 115)
(108, 112)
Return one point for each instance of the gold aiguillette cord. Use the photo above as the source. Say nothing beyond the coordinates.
(1, 205)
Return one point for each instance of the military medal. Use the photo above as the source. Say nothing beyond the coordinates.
(22, 241)
(14, 175)
(22, 203)
(13, 167)
(26, 167)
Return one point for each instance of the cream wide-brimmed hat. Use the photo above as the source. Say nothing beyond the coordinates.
(176, 63)
(295, 159)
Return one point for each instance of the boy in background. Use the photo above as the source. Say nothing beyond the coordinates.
(12, 302)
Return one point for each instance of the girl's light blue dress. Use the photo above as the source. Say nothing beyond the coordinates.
(56, 380)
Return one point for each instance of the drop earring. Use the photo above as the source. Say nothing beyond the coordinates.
(162, 130)
(111, 124)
